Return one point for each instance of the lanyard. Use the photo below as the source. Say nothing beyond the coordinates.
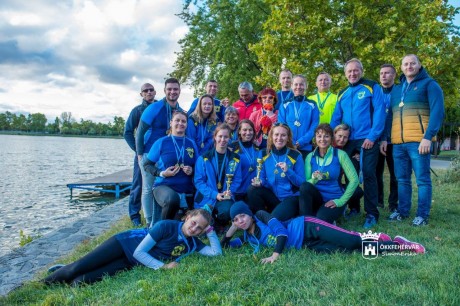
(321, 167)
(405, 88)
(202, 128)
(249, 156)
(220, 171)
(278, 159)
(288, 96)
(186, 243)
(321, 103)
(297, 112)
(179, 151)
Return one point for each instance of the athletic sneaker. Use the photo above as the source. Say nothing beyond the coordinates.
(396, 216)
(419, 221)
(136, 222)
(370, 222)
(55, 268)
(384, 237)
(407, 245)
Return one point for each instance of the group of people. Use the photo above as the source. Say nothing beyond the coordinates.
(280, 166)
(287, 153)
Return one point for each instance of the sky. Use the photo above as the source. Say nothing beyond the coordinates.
(89, 57)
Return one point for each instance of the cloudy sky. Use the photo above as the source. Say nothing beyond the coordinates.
(87, 57)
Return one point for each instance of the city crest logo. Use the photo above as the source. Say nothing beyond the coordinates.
(370, 245)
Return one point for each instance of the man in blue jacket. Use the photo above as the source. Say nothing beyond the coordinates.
(154, 124)
(362, 107)
(415, 117)
(148, 96)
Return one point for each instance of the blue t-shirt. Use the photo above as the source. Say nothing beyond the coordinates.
(171, 244)
(169, 151)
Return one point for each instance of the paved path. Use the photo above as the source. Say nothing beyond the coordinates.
(440, 164)
(21, 264)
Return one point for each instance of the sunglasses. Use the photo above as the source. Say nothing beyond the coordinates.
(148, 90)
(281, 124)
(268, 97)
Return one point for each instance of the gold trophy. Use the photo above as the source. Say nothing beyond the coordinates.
(259, 168)
(229, 182)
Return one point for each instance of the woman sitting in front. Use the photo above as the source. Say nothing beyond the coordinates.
(202, 123)
(213, 172)
(282, 173)
(322, 195)
(172, 159)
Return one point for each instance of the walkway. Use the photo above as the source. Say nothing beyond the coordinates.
(23, 263)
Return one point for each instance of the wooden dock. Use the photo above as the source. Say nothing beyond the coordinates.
(115, 183)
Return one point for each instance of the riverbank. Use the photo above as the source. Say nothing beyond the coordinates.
(19, 133)
(23, 263)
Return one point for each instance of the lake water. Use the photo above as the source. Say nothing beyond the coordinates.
(34, 171)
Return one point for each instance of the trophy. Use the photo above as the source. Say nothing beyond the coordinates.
(231, 170)
(259, 168)
(229, 182)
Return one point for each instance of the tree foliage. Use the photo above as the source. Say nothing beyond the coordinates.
(233, 40)
(217, 44)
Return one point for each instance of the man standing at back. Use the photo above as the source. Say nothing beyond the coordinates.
(148, 96)
(211, 89)
(248, 103)
(286, 93)
(361, 106)
(153, 125)
(387, 81)
(415, 117)
(324, 98)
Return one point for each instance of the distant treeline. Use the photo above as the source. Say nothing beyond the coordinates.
(65, 124)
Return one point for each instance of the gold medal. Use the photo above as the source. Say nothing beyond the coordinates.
(297, 123)
(251, 169)
(182, 166)
(219, 186)
(283, 174)
(276, 171)
(176, 165)
(401, 104)
(202, 145)
(321, 113)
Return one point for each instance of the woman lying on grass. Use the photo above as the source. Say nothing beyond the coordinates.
(312, 233)
(166, 240)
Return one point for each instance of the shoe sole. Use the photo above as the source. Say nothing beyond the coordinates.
(419, 249)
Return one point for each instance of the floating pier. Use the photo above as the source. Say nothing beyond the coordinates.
(115, 183)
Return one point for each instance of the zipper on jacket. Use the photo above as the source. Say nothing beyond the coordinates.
(401, 123)
(421, 124)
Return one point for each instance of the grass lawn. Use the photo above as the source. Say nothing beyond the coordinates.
(297, 278)
(447, 155)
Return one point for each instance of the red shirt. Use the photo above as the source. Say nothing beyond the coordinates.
(245, 110)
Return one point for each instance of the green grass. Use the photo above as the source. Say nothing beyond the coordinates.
(448, 155)
(297, 278)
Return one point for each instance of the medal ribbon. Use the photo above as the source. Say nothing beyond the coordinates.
(248, 155)
(283, 98)
(297, 112)
(277, 161)
(322, 103)
(220, 171)
(179, 151)
(189, 251)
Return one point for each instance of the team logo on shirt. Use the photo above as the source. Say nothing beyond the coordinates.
(190, 152)
(217, 108)
(271, 241)
(361, 94)
(178, 250)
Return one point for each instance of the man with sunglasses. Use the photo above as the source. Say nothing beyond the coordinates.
(154, 124)
(148, 96)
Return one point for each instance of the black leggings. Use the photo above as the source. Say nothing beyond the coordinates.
(312, 204)
(262, 198)
(106, 259)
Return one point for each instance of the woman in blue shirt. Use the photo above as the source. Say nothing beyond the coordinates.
(168, 240)
(202, 123)
(171, 160)
(281, 176)
(312, 233)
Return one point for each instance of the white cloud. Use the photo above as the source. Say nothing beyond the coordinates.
(86, 57)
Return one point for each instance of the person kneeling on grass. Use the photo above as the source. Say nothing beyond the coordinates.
(166, 240)
(309, 232)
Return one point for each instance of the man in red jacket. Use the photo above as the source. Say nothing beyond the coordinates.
(248, 103)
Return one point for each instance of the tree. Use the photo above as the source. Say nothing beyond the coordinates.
(37, 122)
(118, 125)
(19, 122)
(309, 40)
(217, 44)
(4, 125)
(66, 120)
